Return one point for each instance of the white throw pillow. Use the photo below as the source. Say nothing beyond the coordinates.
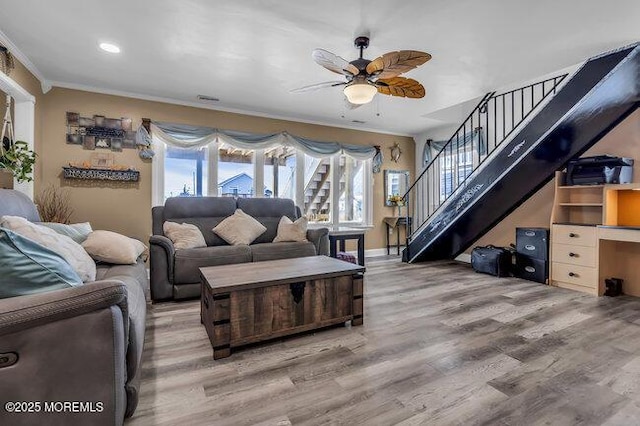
(239, 229)
(71, 251)
(184, 235)
(292, 231)
(111, 247)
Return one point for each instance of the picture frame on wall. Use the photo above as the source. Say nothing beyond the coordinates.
(100, 132)
(116, 144)
(89, 142)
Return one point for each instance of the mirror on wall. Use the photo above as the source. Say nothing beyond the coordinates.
(396, 182)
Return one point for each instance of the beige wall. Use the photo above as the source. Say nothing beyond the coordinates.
(128, 209)
(623, 141)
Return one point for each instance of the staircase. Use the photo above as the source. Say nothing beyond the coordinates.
(317, 189)
(317, 193)
(510, 146)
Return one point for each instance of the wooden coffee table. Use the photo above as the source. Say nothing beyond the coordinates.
(251, 302)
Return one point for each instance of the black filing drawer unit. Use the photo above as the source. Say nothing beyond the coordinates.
(532, 254)
(531, 269)
(533, 242)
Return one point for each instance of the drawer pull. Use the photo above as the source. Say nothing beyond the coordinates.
(572, 274)
(573, 255)
(530, 233)
(572, 235)
(530, 247)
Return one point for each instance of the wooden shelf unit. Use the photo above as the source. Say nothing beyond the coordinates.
(583, 251)
(580, 204)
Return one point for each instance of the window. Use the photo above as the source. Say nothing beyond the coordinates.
(330, 190)
(185, 172)
(280, 173)
(351, 207)
(235, 172)
(317, 189)
(455, 167)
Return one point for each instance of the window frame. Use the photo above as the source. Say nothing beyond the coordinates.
(158, 176)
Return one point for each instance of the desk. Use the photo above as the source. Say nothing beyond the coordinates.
(619, 257)
(595, 234)
(396, 222)
(341, 235)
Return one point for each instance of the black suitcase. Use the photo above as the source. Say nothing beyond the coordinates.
(492, 260)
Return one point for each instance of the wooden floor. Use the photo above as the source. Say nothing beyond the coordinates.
(440, 345)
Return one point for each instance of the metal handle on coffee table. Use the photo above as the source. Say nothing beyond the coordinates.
(572, 255)
(297, 291)
(572, 235)
(571, 274)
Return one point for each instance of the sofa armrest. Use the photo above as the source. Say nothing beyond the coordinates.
(320, 239)
(18, 313)
(66, 345)
(161, 257)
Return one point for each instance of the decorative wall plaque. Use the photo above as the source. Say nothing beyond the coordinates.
(100, 132)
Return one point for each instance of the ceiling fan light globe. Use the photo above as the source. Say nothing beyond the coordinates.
(360, 93)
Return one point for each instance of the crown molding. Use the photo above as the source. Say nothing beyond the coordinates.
(93, 89)
(24, 60)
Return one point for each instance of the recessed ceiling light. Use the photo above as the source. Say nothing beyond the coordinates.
(108, 47)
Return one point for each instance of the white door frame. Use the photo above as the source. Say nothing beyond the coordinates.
(23, 122)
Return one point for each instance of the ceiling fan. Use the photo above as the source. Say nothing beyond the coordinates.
(365, 78)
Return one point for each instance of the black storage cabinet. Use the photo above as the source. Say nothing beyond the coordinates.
(532, 254)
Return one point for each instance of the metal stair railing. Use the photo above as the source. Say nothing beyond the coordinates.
(487, 127)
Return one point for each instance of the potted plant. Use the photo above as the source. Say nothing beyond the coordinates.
(16, 161)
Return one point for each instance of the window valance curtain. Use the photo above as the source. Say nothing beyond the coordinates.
(432, 148)
(187, 136)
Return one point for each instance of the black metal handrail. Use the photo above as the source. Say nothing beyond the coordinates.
(490, 123)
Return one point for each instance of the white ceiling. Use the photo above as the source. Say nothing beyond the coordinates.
(251, 53)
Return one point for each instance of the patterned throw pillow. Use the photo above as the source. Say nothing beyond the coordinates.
(239, 229)
(78, 232)
(292, 231)
(72, 252)
(184, 235)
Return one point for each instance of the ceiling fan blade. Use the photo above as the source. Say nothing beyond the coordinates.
(333, 62)
(393, 64)
(318, 86)
(401, 86)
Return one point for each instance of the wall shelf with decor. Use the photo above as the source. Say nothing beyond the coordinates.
(101, 174)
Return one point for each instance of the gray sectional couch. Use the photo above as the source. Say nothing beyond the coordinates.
(175, 273)
(76, 344)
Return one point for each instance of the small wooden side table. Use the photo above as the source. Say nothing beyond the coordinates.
(341, 235)
(396, 222)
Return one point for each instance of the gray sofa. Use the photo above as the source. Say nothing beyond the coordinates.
(77, 344)
(175, 273)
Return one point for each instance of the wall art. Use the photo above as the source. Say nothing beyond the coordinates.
(100, 132)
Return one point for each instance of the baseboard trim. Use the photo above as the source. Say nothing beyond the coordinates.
(375, 252)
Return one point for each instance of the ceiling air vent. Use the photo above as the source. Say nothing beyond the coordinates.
(207, 98)
(358, 121)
